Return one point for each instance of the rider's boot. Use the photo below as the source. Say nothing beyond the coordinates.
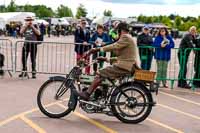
(85, 95)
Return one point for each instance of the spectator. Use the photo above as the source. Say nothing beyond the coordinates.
(99, 39)
(49, 30)
(42, 29)
(114, 35)
(42, 32)
(18, 28)
(163, 44)
(2, 59)
(175, 33)
(188, 41)
(12, 29)
(196, 83)
(69, 29)
(7, 29)
(113, 32)
(14, 32)
(82, 37)
(30, 32)
(146, 54)
(58, 30)
(73, 28)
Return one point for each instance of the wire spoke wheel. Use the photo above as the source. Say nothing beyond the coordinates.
(136, 107)
(130, 108)
(51, 94)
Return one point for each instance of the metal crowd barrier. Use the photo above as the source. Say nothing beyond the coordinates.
(6, 49)
(51, 57)
(174, 66)
(59, 58)
(191, 59)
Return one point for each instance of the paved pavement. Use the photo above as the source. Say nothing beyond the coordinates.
(177, 111)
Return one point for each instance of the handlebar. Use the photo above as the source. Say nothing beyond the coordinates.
(83, 62)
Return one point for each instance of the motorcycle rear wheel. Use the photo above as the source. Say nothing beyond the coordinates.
(126, 108)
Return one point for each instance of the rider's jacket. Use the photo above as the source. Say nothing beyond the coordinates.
(125, 50)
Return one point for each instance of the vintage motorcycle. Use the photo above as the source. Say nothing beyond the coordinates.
(129, 100)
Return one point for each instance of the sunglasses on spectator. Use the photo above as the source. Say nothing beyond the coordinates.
(29, 20)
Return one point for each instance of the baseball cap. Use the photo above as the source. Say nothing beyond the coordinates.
(146, 27)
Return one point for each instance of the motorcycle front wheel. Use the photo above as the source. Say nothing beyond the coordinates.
(53, 98)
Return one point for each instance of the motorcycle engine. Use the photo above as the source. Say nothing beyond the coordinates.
(95, 104)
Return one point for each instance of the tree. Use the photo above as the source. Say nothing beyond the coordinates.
(160, 18)
(188, 18)
(178, 21)
(81, 11)
(12, 6)
(186, 26)
(141, 18)
(64, 11)
(149, 20)
(172, 16)
(107, 13)
(198, 23)
(42, 11)
(155, 19)
(2, 8)
(28, 8)
(167, 21)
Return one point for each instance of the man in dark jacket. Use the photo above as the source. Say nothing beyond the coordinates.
(146, 54)
(196, 81)
(82, 37)
(188, 41)
(42, 29)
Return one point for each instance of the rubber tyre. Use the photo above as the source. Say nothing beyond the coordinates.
(42, 109)
(144, 116)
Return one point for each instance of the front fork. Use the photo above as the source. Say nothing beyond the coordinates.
(73, 98)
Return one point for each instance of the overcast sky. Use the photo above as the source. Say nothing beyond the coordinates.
(124, 8)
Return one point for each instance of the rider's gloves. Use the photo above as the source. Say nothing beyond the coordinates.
(93, 51)
(102, 59)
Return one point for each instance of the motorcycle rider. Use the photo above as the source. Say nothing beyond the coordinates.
(125, 60)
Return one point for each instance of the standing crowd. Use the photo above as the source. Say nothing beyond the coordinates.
(13, 29)
(158, 48)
